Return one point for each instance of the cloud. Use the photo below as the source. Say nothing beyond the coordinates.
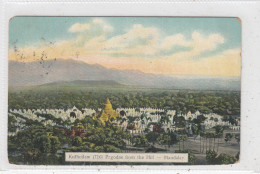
(95, 24)
(138, 40)
(175, 40)
(142, 41)
(147, 41)
(199, 44)
(86, 31)
(76, 28)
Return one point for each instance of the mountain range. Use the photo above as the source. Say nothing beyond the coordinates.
(59, 70)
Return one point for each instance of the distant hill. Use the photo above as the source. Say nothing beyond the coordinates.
(85, 83)
(57, 71)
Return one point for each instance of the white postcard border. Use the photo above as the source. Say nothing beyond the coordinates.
(247, 11)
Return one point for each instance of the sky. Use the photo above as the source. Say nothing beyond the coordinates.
(158, 45)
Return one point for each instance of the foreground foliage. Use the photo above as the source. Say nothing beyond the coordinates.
(38, 142)
(223, 158)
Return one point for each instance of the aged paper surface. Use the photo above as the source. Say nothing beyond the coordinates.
(124, 90)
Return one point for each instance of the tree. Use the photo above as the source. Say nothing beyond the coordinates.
(122, 113)
(131, 119)
(203, 134)
(228, 137)
(179, 121)
(55, 144)
(211, 156)
(182, 138)
(164, 119)
(11, 123)
(99, 149)
(198, 121)
(218, 129)
(224, 158)
(209, 136)
(111, 148)
(195, 130)
(32, 155)
(219, 133)
(44, 143)
(237, 137)
(164, 139)
(140, 141)
(152, 137)
(77, 141)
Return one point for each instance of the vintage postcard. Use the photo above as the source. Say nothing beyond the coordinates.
(124, 90)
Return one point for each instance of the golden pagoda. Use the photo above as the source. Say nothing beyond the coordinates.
(108, 113)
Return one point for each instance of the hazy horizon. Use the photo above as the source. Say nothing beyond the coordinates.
(186, 76)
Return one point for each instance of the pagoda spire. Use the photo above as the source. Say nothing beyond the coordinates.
(108, 106)
(107, 113)
(108, 101)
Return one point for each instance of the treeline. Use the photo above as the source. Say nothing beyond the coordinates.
(221, 102)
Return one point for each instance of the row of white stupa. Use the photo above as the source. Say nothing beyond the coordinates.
(152, 115)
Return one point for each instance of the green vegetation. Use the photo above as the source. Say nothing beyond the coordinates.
(213, 158)
(140, 141)
(228, 137)
(182, 101)
(38, 143)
